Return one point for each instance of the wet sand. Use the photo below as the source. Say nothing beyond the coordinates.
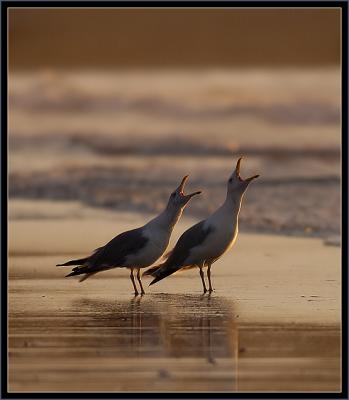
(272, 324)
(103, 339)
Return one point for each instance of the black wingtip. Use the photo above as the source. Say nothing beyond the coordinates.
(66, 264)
(154, 281)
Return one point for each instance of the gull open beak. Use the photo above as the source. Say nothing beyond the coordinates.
(237, 172)
(180, 188)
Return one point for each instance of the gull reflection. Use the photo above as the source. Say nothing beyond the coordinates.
(164, 325)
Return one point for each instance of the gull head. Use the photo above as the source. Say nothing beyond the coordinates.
(178, 198)
(236, 184)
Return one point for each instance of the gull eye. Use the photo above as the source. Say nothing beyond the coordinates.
(231, 180)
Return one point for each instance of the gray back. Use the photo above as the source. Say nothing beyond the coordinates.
(191, 238)
(115, 252)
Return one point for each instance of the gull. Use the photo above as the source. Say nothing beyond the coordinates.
(137, 248)
(206, 242)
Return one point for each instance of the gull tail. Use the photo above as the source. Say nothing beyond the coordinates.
(81, 261)
(162, 272)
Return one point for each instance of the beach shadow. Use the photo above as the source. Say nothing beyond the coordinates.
(164, 325)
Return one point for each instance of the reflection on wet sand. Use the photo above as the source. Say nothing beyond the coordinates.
(152, 343)
(167, 325)
(164, 342)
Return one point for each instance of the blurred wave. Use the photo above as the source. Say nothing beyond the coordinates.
(306, 112)
(123, 141)
(171, 145)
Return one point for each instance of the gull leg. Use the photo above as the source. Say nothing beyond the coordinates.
(133, 282)
(140, 281)
(210, 288)
(202, 278)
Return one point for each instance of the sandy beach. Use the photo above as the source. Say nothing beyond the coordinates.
(272, 324)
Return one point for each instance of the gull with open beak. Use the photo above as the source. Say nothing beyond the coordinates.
(204, 243)
(137, 248)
